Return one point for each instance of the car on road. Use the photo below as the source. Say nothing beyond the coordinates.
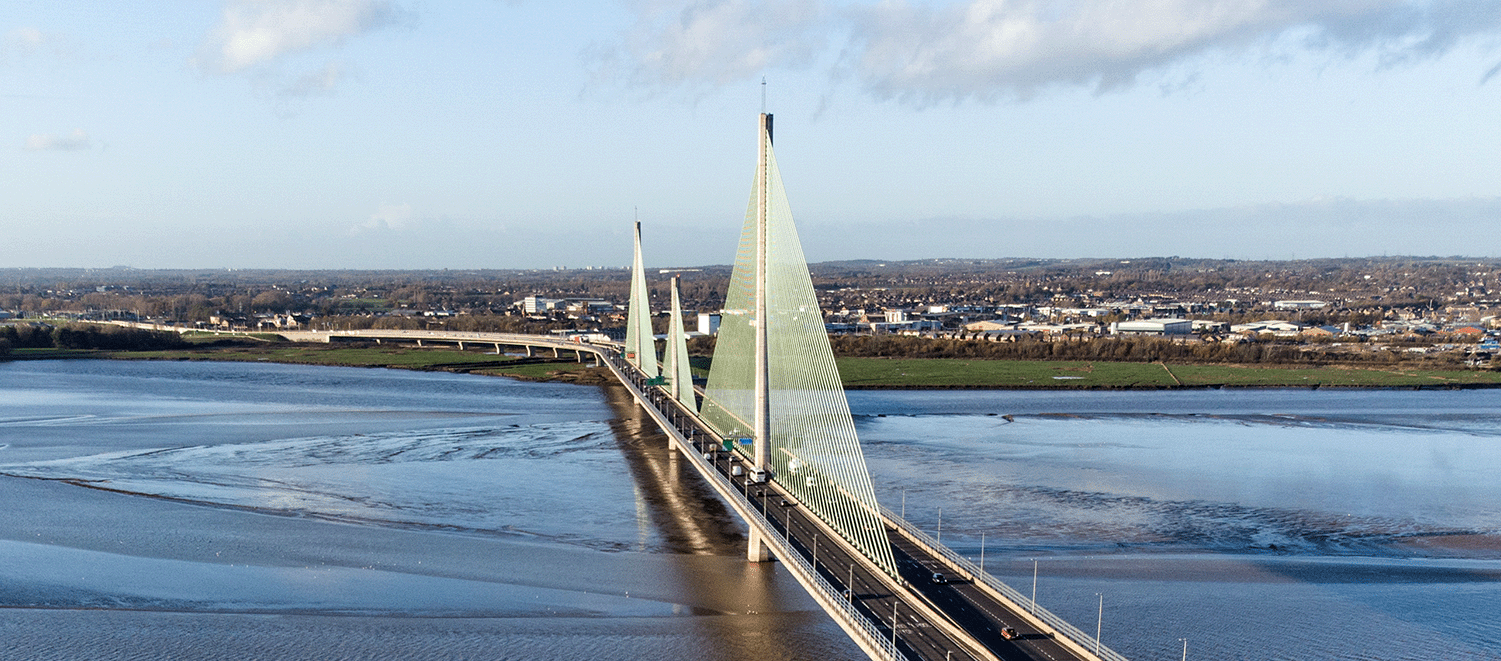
(940, 579)
(1009, 634)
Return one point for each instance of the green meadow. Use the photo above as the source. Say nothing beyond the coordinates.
(856, 372)
(950, 373)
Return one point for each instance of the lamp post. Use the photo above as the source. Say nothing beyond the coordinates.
(982, 553)
(1185, 648)
(940, 525)
(1034, 586)
(1099, 623)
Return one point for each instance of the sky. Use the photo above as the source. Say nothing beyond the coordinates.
(411, 134)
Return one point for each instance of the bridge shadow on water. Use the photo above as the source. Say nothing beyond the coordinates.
(749, 610)
(673, 498)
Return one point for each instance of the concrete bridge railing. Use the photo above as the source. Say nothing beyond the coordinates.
(866, 634)
(1044, 620)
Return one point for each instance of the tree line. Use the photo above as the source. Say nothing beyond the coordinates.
(86, 336)
(1131, 349)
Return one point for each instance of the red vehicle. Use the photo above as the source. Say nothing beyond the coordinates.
(1009, 634)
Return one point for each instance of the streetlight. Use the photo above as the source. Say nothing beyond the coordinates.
(1034, 586)
(1100, 622)
(982, 553)
(940, 525)
(1185, 648)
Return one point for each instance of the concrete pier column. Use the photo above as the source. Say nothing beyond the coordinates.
(757, 550)
(497, 348)
(419, 342)
(528, 351)
(580, 354)
(461, 345)
(377, 340)
(556, 353)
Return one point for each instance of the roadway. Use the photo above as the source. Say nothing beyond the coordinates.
(950, 621)
(955, 620)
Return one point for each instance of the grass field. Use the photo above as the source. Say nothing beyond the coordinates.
(856, 372)
(303, 354)
(945, 373)
(382, 356)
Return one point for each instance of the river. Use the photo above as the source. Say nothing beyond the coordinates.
(232, 510)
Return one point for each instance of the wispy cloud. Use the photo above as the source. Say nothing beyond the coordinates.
(252, 33)
(721, 41)
(1011, 49)
(317, 82)
(386, 217)
(78, 140)
(24, 40)
(27, 41)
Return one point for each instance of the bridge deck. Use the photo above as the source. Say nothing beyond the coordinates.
(911, 618)
(961, 619)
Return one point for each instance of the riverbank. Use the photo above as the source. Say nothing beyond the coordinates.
(566, 370)
(940, 373)
(857, 373)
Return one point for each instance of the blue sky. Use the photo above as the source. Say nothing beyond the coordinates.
(404, 134)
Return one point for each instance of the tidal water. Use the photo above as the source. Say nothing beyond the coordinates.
(261, 511)
(1256, 524)
(231, 510)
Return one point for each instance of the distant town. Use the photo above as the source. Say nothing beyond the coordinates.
(1389, 309)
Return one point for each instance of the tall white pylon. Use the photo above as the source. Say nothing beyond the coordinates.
(774, 379)
(679, 372)
(640, 344)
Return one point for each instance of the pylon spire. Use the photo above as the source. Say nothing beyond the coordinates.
(640, 343)
(679, 371)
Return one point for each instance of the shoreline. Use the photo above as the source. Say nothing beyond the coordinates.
(859, 373)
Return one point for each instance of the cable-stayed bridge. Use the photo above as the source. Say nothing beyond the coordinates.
(897, 614)
(772, 433)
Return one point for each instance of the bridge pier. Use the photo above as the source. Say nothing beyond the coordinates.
(419, 342)
(528, 351)
(497, 348)
(461, 345)
(557, 353)
(757, 550)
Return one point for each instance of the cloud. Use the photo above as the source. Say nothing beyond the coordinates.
(78, 140)
(316, 82)
(387, 217)
(721, 41)
(252, 33)
(24, 40)
(991, 50)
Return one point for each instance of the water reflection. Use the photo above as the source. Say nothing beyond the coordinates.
(491, 518)
(694, 522)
